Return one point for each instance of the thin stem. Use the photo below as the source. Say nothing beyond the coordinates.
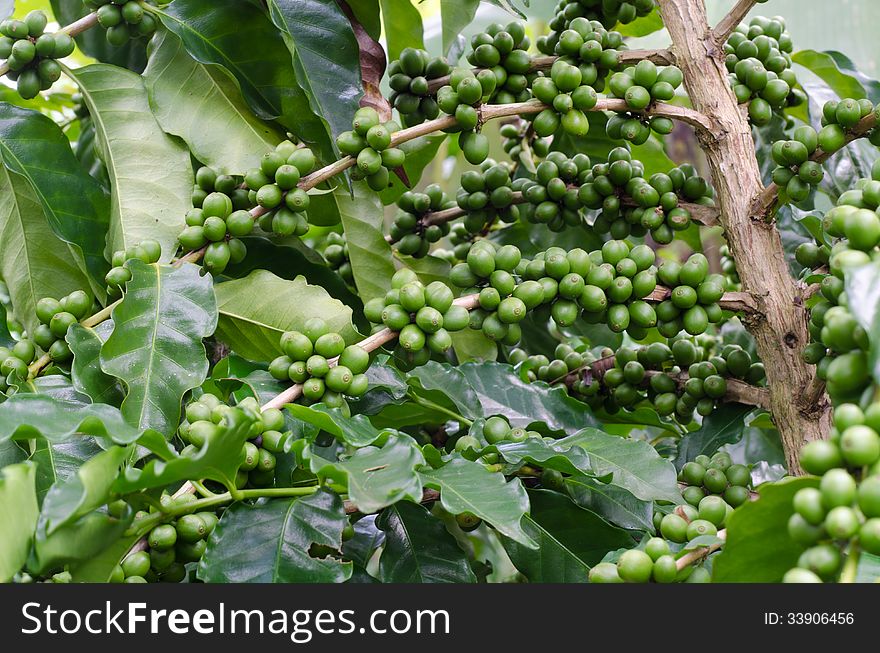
(851, 566)
(735, 16)
(427, 403)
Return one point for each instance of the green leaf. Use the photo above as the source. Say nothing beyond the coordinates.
(82, 492)
(466, 486)
(375, 477)
(643, 25)
(570, 540)
(330, 76)
(75, 206)
(99, 567)
(356, 430)
(218, 460)
(11, 453)
(226, 34)
(150, 172)
(724, 425)
(747, 556)
(203, 105)
(76, 542)
(447, 386)
(614, 503)
(527, 405)
(473, 346)
(428, 268)
(562, 455)
(57, 462)
(256, 310)
(131, 55)
(88, 377)
(455, 16)
(838, 72)
(18, 517)
(403, 26)
(6, 339)
(34, 262)
(363, 221)
(420, 152)
(24, 416)
(270, 542)
(419, 549)
(633, 465)
(863, 292)
(156, 346)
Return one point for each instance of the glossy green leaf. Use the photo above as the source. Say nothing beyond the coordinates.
(527, 405)
(378, 477)
(57, 462)
(150, 172)
(862, 286)
(11, 453)
(562, 455)
(403, 26)
(218, 460)
(256, 310)
(270, 542)
(748, 556)
(24, 416)
(367, 538)
(99, 567)
(419, 549)
(203, 105)
(467, 486)
(355, 430)
(6, 339)
(724, 426)
(470, 345)
(363, 221)
(613, 503)
(88, 377)
(329, 76)
(156, 346)
(76, 542)
(85, 490)
(34, 262)
(455, 16)
(633, 465)
(268, 81)
(643, 25)
(838, 72)
(428, 268)
(18, 517)
(74, 205)
(570, 540)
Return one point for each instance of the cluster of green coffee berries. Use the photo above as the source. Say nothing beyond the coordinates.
(593, 49)
(631, 205)
(655, 563)
(652, 374)
(795, 172)
(840, 344)
(553, 194)
(273, 187)
(839, 117)
(410, 81)
(31, 54)
(496, 430)
(319, 360)
(504, 51)
(424, 315)
(758, 58)
(411, 230)
(461, 99)
(56, 317)
(518, 139)
(639, 86)
(172, 545)
(204, 420)
(487, 196)
(714, 478)
(841, 516)
(693, 301)
(568, 95)
(606, 14)
(728, 268)
(123, 19)
(149, 251)
(335, 252)
(14, 362)
(369, 142)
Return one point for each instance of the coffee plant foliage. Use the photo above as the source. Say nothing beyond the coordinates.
(354, 311)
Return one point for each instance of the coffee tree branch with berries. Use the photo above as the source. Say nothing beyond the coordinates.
(373, 313)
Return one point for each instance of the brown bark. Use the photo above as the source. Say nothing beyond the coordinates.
(780, 326)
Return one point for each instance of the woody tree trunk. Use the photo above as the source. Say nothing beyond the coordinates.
(798, 403)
